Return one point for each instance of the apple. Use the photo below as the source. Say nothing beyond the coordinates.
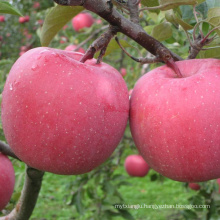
(2, 18)
(24, 19)
(175, 122)
(123, 71)
(72, 47)
(7, 180)
(82, 20)
(194, 186)
(60, 115)
(36, 5)
(135, 165)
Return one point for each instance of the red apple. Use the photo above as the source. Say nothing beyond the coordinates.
(60, 115)
(2, 18)
(7, 180)
(123, 71)
(175, 122)
(24, 19)
(72, 47)
(81, 21)
(135, 165)
(36, 5)
(194, 186)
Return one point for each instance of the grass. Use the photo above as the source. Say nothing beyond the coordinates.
(52, 205)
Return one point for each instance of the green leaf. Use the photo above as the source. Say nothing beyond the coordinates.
(126, 215)
(189, 214)
(175, 19)
(212, 3)
(162, 31)
(57, 17)
(170, 4)
(150, 3)
(212, 53)
(113, 45)
(213, 16)
(7, 8)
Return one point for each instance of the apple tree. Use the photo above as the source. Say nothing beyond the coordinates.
(65, 112)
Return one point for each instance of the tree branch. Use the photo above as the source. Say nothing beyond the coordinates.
(5, 149)
(29, 195)
(105, 9)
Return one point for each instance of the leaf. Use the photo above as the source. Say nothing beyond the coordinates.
(150, 3)
(175, 19)
(57, 17)
(7, 8)
(189, 214)
(212, 53)
(113, 45)
(162, 31)
(170, 4)
(126, 215)
(212, 3)
(213, 16)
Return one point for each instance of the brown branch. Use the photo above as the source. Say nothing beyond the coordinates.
(5, 149)
(29, 195)
(134, 11)
(100, 44)
(105, 9)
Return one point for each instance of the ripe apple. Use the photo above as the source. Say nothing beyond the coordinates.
(72, 47)
(175, 122)
(7, 180)
(82, 20)
(135, 165)
(194, 186)
(60, 115)
(2, 18)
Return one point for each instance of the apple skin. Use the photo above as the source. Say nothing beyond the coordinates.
(194, 186)
(73, 47)
(135, 165)
(82, 20)
(63, 116)
(7, 180)
(175, 122)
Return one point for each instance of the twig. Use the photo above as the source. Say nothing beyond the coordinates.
(5, 149)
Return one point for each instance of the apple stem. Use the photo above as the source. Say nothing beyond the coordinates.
(170, 63)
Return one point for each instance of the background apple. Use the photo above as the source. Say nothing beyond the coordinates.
(123, 72)
(7, 180)
(2, 18)
(72, 47)
(81, 21)
(24, 19)
(135, 165)
(175, 122)
(194, 186)
(60, 115)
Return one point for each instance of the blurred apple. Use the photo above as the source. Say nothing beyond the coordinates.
(194, 186)
(2, 18)
(72, 47)
(82, 20)
(135, 165)
(7, 180)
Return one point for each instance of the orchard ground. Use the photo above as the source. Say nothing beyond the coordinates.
(142, 191)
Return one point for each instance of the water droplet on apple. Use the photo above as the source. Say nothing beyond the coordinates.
(10, 86)
(34, 67)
